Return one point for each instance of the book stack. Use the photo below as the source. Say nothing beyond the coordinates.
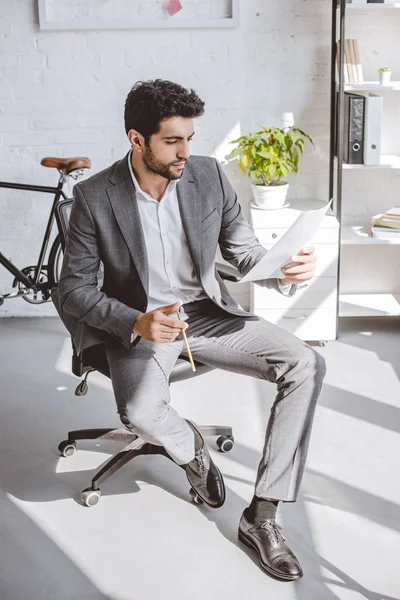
(369, 2)
(357, 2)
(352, 68)
(387, 225)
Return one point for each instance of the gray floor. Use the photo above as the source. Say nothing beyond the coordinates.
(145, 540)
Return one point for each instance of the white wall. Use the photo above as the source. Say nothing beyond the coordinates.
(62, 94)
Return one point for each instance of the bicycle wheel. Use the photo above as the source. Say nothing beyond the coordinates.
(55, 262)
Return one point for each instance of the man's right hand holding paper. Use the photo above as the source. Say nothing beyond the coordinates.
(303, 268)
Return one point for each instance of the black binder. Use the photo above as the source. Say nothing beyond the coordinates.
(353, 133)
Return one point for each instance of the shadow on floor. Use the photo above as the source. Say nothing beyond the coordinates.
(31, 561)
(384, 338)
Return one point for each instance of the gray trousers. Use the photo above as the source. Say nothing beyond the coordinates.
(250, 346)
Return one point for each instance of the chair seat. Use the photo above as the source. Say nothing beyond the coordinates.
(95, 357)
(183, 370)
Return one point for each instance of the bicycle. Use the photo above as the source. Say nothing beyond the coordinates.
(34, 282)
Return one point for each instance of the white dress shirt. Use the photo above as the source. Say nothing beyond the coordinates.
(172, 277)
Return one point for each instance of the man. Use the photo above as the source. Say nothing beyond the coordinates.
(155, 219)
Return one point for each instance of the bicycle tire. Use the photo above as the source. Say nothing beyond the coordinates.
(55, 262)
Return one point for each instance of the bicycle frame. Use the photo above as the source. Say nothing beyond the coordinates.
(58, 193)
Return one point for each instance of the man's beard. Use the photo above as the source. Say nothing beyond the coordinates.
(155, 166)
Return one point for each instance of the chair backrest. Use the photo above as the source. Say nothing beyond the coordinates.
(63, 211)
(94, 357)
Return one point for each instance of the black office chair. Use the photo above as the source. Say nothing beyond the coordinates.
(95, 359)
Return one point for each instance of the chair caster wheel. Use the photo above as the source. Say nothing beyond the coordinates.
(225, 443)
(90, 497)
(67, 448)
(195, 497)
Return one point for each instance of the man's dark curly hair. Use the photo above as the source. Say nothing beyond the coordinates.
(150, 102)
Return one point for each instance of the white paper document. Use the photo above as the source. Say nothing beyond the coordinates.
(297, 237)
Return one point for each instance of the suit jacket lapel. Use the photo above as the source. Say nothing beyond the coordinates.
(122, 196)
(190, 209)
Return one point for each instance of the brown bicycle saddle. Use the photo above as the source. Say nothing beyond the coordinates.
(67, 165)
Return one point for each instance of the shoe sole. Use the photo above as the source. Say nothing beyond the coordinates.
(264, 567)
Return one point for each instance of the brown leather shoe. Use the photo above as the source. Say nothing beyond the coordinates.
(276, 558)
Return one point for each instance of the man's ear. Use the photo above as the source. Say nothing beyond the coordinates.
(136, 139)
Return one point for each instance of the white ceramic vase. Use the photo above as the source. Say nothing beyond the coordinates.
(270, 196)
(384, 77)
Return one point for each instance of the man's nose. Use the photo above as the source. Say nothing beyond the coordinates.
(184, 152)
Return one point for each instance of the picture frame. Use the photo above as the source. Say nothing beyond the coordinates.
(84, 20)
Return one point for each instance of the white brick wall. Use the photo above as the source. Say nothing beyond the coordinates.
(62, 93)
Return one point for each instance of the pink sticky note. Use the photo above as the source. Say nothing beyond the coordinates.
(173, 6)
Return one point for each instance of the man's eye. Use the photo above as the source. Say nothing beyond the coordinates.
(170, 143)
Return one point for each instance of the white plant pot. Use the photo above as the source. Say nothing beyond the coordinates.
(384, 77)
(270, 196)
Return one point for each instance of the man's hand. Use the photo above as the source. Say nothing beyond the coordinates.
(303, 270)
(155, 326)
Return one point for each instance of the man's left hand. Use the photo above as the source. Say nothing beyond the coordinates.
(304, 268)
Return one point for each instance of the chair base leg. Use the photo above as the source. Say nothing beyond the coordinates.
(136, 446)
(210, 430)
(115, 435)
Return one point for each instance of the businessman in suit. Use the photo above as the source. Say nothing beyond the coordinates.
(155, 220)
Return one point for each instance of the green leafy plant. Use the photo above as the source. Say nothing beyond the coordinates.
(271, 153)
(384, 69)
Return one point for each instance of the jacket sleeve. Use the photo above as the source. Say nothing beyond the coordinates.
(78, 291)
(238, 243)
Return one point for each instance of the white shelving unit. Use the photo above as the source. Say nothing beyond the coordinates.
(372, 86)
(358, 247)
(388, 161)
(369, 305)
(377, 6)
(358, 235)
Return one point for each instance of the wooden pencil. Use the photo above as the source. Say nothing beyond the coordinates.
(187, 345)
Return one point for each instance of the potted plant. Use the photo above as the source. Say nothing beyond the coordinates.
(384, 75)
(268, 156)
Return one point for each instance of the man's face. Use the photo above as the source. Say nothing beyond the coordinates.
(168, 150)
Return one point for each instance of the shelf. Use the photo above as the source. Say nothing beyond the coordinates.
(369, 305)
(354, 236)
(373, 6)
(372, 86)
(388, 161)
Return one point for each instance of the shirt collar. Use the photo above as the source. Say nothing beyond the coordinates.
(170, 187)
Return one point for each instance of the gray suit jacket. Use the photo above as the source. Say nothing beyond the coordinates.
(105, 226)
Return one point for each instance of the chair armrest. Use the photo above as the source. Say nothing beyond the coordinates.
(228, 272)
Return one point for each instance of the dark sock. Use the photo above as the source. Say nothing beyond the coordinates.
(260, 510)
